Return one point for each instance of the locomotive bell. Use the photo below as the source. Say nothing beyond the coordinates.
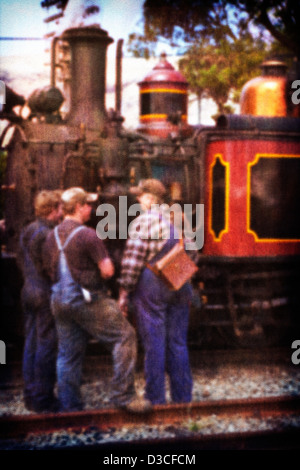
(163, 101)
(266, 95)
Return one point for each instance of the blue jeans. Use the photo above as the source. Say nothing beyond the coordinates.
(162, 318)
(102, 320)
(40, 346)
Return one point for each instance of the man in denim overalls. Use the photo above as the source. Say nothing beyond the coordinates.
(162, 315)
(40, 345)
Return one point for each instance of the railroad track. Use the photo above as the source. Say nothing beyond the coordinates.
(17, 427)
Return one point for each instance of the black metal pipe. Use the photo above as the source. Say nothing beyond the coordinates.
(260, 123)
(119, 76)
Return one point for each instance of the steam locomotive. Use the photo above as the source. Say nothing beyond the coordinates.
(244, 170)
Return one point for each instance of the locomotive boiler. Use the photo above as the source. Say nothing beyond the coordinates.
(244, 170)
(47, 151)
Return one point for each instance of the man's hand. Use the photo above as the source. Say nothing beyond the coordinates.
(123, 302)
(106, 268)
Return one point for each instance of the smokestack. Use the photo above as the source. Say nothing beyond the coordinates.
(88, 47)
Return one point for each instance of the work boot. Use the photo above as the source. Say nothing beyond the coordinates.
(138, 405)
(45, 406)
(28, 402)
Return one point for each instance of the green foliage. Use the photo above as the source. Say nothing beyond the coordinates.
(280, 19)
(218, 71)
(186, 20)
(3, 163)
(224, 41)
(138, 47)
(189, 20)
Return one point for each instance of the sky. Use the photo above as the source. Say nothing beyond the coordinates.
(25, 18)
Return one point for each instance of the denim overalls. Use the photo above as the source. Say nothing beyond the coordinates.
(40, 345)
(162, 319)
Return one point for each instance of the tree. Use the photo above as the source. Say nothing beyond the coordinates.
(188, 20)
(180, 23)
(223, 41)
(221, 70)
(280, 18)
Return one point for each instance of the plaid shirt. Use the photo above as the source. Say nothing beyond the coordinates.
(148, 233)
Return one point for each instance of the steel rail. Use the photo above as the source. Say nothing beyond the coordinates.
(16, 426)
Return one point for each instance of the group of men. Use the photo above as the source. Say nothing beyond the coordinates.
(56, 338)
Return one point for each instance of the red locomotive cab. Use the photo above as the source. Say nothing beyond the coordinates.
(251, 253)
(252, 197)
(252, 173)
(164, 101)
